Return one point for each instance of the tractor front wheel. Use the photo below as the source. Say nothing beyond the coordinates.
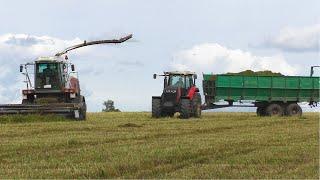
(185, 108)
(156, 108)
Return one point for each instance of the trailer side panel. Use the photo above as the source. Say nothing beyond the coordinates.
(260, 88)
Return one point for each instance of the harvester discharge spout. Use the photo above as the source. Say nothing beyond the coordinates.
(85, 43)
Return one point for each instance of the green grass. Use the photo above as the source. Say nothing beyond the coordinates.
(31, 118)
(132, 145)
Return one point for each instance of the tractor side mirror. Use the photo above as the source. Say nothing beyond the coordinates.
(165, 82)
(197, 90)
(72, 67)
(21, 68)
(195, 76)
(154, 76)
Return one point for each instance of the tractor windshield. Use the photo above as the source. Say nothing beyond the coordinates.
(176, 80)
(182, 81)
(47, 76)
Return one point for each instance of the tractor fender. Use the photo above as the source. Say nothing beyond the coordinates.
(191, 92)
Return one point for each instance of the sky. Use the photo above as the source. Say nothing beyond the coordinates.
(205, 36)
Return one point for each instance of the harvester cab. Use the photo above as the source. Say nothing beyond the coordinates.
(53, 85)
(180, 94)
(55, 81)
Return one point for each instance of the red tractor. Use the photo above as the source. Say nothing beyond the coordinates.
(180, 94)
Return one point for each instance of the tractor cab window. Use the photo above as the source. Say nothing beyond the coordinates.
(189, 81)
(177, 81)
(47, 75)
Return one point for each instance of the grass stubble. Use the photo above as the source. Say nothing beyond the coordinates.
(133, 145)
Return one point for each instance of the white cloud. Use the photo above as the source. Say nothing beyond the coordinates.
(34, 45)
(296, 39)
(212, 57)
(4, 71)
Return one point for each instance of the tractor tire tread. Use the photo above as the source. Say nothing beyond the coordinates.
(185, 108)
(156, 108)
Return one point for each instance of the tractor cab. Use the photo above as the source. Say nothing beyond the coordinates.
(180, 94)
(179, 80)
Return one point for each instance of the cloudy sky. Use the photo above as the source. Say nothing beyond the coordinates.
(199, 35)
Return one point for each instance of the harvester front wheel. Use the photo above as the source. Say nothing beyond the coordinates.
(185, 108)
(156, 108)
(82, 115)
(83, 108)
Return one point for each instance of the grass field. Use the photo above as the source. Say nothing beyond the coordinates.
(132, 145)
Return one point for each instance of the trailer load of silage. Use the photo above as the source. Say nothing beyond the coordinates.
(256, 73)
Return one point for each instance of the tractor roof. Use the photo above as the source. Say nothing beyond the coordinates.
(50, 59)
(180, 73)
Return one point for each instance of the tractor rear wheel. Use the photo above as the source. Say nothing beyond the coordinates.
(197, 113)
(293, 109)
(185, 108)
(156, 108)
(197, 106)
(274, 110)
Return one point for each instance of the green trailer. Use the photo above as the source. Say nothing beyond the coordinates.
(272, 95)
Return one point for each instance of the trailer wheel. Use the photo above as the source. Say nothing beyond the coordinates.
(185, 108)
(156, 108)
(261, 111)
(274, 110)
(293, 109)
